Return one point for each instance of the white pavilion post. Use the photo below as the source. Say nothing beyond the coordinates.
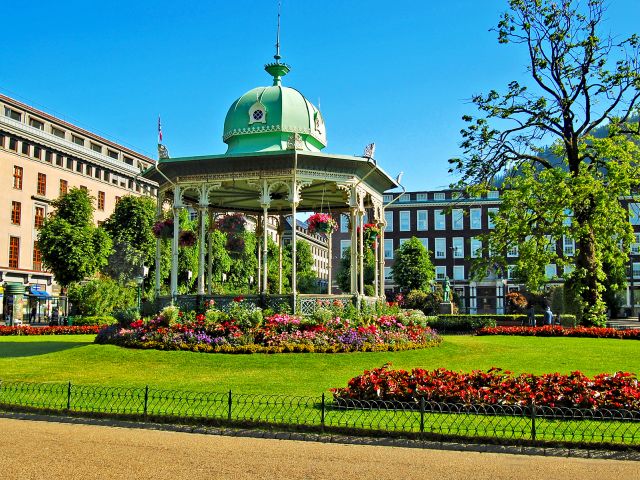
(381, 255)
(202, 210)
(177, 204)
(280, 248)
(158, 248)
(259, 242)
(294, 255)
(209, 264)
(265, 264)
(329, 253)
(361, 251)
(354, 250)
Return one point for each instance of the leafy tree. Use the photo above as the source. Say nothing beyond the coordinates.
(581, 80)
(134, 244)
(412, 269)
(305, 275)
(100, 296)
(343, 276)
(72, 247)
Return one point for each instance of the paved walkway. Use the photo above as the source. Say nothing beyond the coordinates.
(51, 450)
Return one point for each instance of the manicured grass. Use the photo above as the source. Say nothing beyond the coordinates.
(75, 358)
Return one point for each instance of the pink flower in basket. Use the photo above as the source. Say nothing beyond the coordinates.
(322, 223)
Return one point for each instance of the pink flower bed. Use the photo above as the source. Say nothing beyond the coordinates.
(619, 390)
(558, 331)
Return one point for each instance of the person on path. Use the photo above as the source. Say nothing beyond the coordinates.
(548, 316)
(531, 315)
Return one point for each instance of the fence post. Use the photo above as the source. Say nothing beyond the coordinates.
(146, 400)
(533, 420)
(421, 414)
(322, 413)
(230, 403)
(69, 396)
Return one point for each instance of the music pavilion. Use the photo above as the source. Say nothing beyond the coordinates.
(274, 166)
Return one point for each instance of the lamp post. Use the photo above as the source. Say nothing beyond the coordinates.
(140, 282)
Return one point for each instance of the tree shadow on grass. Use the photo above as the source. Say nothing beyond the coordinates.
(30, 349)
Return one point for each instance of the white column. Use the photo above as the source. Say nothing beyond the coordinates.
(259, 272)
(361, 251)
(265, 247)
(330, 254)
(294, 256)
(158, 249)
(174, 248)
(382, 260)
(354, 250)
(280, 247)
(210, 264)
(202, 211)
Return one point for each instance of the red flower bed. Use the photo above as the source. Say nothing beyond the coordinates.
(495, 387)
(558, 331)
(58, 330)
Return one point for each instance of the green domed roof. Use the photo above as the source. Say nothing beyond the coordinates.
(263, 119)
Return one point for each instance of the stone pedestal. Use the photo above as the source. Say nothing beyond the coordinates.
(446, 308)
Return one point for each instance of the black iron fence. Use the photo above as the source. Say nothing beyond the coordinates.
(423, 419)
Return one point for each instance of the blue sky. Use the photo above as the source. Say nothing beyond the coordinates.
(396, 73)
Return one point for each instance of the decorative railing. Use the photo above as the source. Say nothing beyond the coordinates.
(419, 419)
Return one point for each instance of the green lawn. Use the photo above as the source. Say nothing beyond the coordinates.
(76, 359)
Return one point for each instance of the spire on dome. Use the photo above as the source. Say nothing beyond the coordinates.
(277, 70)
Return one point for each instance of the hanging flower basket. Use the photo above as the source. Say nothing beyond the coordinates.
(322, 223)
(370, 233)
(235, 244)
(232, 223)
(187, 238)
(163, 228)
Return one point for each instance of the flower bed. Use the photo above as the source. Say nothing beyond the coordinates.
(495, 387)
(56, 330)
(242, 329)
(558, 331)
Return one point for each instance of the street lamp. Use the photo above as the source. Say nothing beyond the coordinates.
(140, 281)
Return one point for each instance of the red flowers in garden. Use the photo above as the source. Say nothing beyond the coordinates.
(495, 387)
(56, 330)
(558, 331)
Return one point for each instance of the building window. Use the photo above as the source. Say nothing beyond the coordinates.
(568, 246)
(1, 140)
(550, 270)
(36, 124)
(404, 240)
(439, 196)
(636, 270)
(14, 252)
(100, 200)
(59, 159)
(458, 272)
(57, 132)
(425, 243)
(458, 247)
(387, 198)
(568, 270)
(96, 148)
(113, 154)
(64, 187)
(405, 221)
(344, 223)
(97, 172)
(48, 156)
(511, 270)
(476, 218)
(88, 170)
(118, 200)
(441, 272)
(70, 163)
(16, 212)
(457, 217)
(493, 194)
(37, 258)
(421, 197)
(79, 166)
(634, 213)
(423, 220)
(37, 152)
(440, 248)
(388, 276)
(77, 140)
(513, 251)
(344, 244)
(388, 218)
(128, 160)
(13, 144)
(388, 248)
(635, 246)
(17, 177)
(491, 217)
(25, 148)
(39, 217)
(42, 184)
(13, 114)
(568, 217)
(476, 248)
(439, 220)
(85, 189)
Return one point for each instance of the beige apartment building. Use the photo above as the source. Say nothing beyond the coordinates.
(41, 158)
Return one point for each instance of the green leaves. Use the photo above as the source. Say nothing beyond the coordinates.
(412, 269)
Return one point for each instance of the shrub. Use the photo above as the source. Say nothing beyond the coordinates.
(100, 296)
(460, 323)
(79, 320)
(126, 315)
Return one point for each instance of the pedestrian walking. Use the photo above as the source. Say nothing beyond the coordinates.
(548, 316)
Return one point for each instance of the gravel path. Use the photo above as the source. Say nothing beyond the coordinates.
(50, 450)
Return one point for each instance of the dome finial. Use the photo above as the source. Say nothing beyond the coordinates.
(277, 70)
